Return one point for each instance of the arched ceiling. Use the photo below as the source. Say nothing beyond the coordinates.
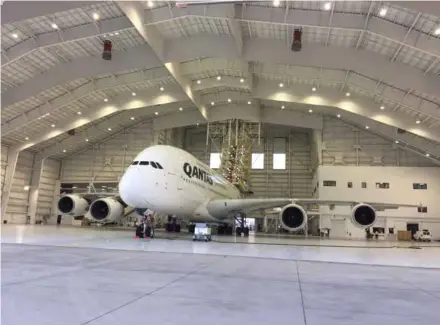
(236, 56)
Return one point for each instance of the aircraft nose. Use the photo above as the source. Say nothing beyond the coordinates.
(128, 189)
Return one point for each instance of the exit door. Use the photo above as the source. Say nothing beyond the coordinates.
(413, 227)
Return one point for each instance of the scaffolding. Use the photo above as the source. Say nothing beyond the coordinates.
(235, 138)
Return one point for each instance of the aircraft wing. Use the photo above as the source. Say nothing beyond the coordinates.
(222, 207)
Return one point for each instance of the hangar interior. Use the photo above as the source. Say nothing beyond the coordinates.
(338, 100)
(354, 109)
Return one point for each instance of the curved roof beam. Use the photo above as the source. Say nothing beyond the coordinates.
(121, 103)
(136, 14)
(80, 92)
(427, 7)
(367, 63)
(13, 11)
(355, 108)
(355, 104)
(253, 14)
(140, 57)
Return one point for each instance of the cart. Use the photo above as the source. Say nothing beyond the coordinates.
(202, 232)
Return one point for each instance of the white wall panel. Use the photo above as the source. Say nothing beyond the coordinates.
(4, 160)
(341, 140)
(16, 210)
(49, 176)
(108, 160)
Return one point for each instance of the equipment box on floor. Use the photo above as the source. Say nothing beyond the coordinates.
(202, 232)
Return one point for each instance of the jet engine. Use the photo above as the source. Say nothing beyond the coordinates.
(363, 216)
(106, 210)
(293, 217)
(72, 205)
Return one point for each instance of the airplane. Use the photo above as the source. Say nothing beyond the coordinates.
(169, 180)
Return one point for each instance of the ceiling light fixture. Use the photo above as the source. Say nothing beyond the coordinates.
(79, 112)
(199, 82)
(219, 77)
(150, 4)
(418, 121)
(428, 155)
(64, 150)
(131, 118)
(249, 102)
(283, 107)
(328, 6)
(396, 141)
(106, 100)
(156, 113)
(347, 94)
(161, 88)
(95, 16)
(27, 138)
(212, 103)
(116, 33)
(87, 139)
(241, 80)
(276, 3)
(14, 35)
(229, 100)
(366, 127)
(437, 31)
(53, 126)
(109, 129)
(133, 94)
(310, 110)
(26, 188)
(382, 107)
(314, 89)
(54, 26)
(383, 12)
(180, 109)
(338, 115)
(281, 85)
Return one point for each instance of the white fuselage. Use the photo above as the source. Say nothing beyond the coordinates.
(179, 185)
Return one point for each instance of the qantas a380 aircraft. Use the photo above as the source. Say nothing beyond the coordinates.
(169, 180)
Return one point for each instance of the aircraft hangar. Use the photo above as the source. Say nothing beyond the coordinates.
(325, 101)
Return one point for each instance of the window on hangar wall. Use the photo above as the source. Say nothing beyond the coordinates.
(215, 161)
(279, 153)
(422, 186)
(383, 185)
(364, 185)
(329, 183)
(258, 155)
(257, 161)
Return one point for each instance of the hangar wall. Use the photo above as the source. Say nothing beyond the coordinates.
(106, 161)
(343, 144)
(294, 181)
(19, 199)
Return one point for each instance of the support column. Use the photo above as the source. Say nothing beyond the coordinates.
(9, 177)
(37, 171)
(56, 196)
(317, 142)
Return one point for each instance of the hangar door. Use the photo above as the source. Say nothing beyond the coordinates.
(338, 229)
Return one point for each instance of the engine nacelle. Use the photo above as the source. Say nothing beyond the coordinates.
(363, 216)
(106, 210)
(293, 217)
(72, 205)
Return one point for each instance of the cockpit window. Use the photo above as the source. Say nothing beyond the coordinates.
(135, 163)
(144, 163)
(159, 166)
(154, 165)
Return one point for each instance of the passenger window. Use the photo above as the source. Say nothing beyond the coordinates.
(154, 165)
(144, 163)
(159, 166)
(135, 163)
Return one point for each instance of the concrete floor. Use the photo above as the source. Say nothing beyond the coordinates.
(47, 280)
